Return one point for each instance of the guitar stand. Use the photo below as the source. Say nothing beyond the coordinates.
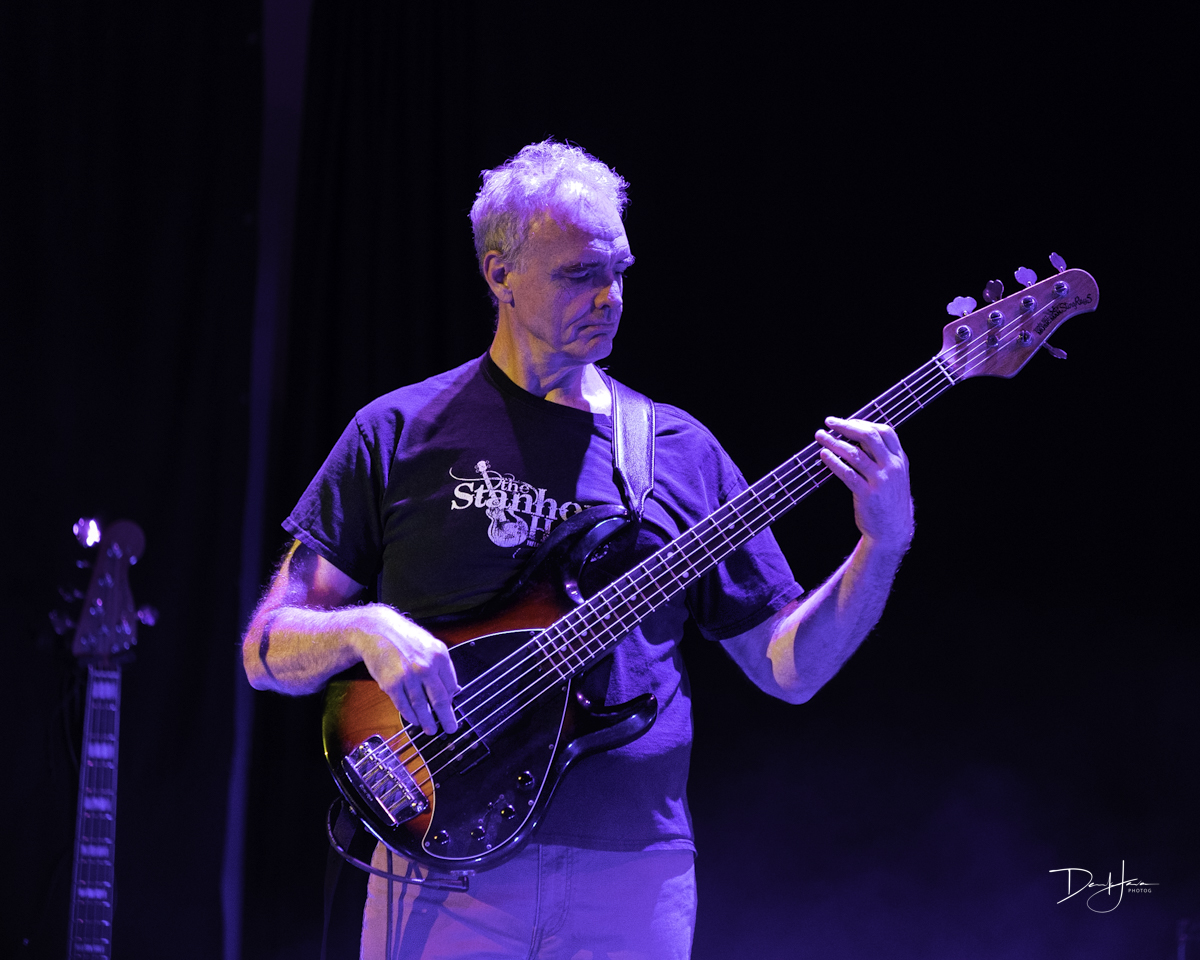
(344, 827)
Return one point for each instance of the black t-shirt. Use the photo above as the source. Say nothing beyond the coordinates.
(437, 493)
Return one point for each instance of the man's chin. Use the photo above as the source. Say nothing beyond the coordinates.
(600, 347)
(590, 346)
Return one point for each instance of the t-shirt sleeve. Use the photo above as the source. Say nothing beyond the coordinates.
(339, 514)
(749, 585)
(753, 582)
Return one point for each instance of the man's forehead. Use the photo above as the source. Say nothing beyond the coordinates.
(587, 229)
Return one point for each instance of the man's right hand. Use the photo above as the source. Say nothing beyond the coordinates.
(411, 666)
(306, 630)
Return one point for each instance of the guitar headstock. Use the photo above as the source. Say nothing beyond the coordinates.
(998, 339)
(107, 625)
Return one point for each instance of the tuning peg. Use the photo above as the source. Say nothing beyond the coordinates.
(147, 615)
(1025, 276)
(61, 623)
(960, 306)
(993, 291)
(87, 531)
(1054, 351)
(1058, 262)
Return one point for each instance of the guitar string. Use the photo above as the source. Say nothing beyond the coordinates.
(927, 382)
(935, 383)
(801, 463)
(689, 566)
(549, 682)
(797, 464)
(625, 620)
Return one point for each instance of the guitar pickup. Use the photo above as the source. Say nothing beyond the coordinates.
(380, 777)
(457, 752)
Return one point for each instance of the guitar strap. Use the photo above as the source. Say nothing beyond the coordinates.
(632, 445)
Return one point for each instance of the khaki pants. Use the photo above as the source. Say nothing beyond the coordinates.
(548, 902)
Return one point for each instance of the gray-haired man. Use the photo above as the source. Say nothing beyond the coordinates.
(433, 493)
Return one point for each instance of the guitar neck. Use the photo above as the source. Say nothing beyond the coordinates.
(95, 834)
(591, 630)
(997, 340)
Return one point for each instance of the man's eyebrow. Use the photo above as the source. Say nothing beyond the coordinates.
(576, 266)
(589, 264)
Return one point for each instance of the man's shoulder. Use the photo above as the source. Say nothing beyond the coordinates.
(687, 447)
(414, 400)
(671, 418)
(674, 424)
(668, 417)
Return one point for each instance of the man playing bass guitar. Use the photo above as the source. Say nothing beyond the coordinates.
(435, 497)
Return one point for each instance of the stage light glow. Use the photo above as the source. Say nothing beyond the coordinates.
(87, 531)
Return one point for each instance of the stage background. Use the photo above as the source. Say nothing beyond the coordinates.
(807, 194)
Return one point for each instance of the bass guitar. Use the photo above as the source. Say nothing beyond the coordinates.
(105, 637)
(467, 801)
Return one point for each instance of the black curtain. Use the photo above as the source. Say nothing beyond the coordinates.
(128, 235)
(808, 192)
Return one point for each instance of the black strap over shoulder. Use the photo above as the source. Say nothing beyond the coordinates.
(633, 445)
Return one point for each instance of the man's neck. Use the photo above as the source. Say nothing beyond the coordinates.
(568, 384)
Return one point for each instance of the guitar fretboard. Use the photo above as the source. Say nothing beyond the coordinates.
(581, 637)
(92, 881)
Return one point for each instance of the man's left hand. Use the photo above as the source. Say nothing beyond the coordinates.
(868, 458)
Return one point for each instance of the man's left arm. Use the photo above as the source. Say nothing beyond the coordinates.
(793, 654)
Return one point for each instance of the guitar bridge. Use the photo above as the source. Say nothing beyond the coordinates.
(379, 775)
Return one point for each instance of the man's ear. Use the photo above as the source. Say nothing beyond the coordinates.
(496, 271)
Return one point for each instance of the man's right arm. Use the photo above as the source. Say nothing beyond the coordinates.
(304, 632)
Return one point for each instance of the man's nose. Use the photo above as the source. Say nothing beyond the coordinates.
(610, 296)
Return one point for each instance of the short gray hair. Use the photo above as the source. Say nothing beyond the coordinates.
(515, 194)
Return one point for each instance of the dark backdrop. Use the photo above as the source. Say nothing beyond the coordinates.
(127, 240)
(807, 195)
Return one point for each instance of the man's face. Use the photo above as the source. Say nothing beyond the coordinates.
(567, 299)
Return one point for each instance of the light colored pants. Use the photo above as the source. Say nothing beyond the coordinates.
(548, 903)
